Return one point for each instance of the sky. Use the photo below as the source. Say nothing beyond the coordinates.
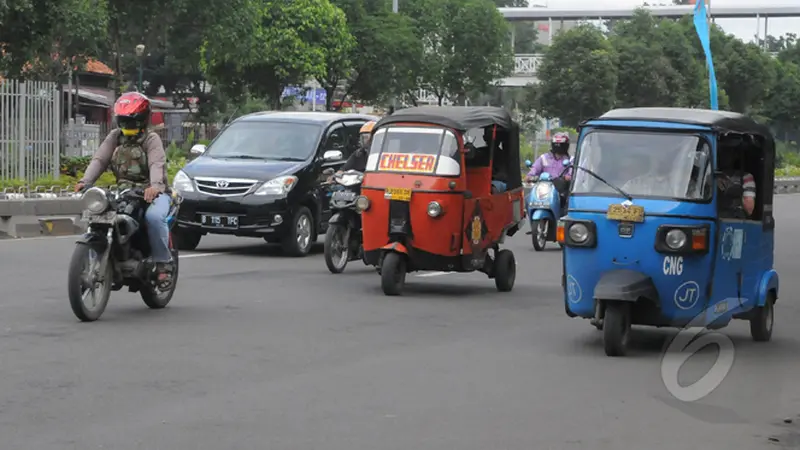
(743, 28)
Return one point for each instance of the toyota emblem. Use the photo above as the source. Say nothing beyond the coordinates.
(222, 183)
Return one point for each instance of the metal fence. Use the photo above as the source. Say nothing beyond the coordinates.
(30, 115)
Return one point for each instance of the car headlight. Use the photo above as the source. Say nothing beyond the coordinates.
(182, 182)
(675, 239)
(362, 203)
(95, 200)
(543, 190)
(578, 233)
(434, 209)
(277, 186)
(350, 179)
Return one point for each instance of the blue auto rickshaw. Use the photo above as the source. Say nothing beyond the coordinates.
(662, 231)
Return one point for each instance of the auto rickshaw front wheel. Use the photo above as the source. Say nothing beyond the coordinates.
(616, 328)
(762, 321)
(505, 270)
(393, 273)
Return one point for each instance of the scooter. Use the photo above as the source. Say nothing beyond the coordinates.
(544, 207)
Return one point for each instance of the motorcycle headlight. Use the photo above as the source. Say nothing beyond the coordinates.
(277, 186)
(95, 200)
(182, 182)
(350, 179)
(543, 190)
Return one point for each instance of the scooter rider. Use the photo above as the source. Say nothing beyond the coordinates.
(137, 159)
(358, 160)
(553, 162)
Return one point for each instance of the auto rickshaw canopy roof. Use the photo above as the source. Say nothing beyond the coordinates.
(461, 118)
(720, 121)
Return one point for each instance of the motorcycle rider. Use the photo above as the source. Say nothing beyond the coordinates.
(138, 160)
(553, 162)
(358, 160)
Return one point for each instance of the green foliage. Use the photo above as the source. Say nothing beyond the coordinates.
(578, 77)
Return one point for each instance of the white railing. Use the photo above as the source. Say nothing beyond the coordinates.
(29, 130)
(526, 65)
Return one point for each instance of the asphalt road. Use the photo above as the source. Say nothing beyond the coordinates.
(259, 351)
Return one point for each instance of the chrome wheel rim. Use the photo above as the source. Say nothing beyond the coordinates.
(339, 248)
(541, 233)
(92, 284)
(303, 232)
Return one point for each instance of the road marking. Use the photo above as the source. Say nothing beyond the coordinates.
(434, 274)
(200, 255)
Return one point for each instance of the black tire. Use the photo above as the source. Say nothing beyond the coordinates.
(763, 320)
(538, 243)
(336, 263)
(186, 240)
(155, 299)
(505, 270)
(617, 328)
(393, 273)
(295, 242)
(75, 287)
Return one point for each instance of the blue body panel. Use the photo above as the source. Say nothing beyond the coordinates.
(547, 208)
(734, 276)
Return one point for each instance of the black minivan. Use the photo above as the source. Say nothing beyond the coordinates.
(260, 177)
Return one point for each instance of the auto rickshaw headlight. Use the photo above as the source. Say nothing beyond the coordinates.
(578, 233)
(362, 203)
(675, 239)
(434, 209)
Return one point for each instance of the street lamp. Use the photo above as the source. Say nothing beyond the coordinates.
(140, 54)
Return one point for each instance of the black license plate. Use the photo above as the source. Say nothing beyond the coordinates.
(211, 220)
(625, 230)
(344, 196)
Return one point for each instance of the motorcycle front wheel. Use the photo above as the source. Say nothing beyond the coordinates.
(87, 288)
(540, 228)
(337, 249)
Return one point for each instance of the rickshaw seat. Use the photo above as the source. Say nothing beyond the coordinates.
(479, 181)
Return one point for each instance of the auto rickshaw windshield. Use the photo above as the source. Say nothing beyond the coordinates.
(645, 164)
(429, 150)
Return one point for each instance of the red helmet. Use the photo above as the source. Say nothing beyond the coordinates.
(132, 111)
(560, 143)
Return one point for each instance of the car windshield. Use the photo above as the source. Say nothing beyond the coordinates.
(287, 141)
(645, 164)
(415, 149)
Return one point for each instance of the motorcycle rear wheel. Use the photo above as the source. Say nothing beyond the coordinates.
(77, 291)
(337, 249)
(156, 299)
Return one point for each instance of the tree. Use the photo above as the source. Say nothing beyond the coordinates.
(783, 104)
(578, 77)
(465, 45)
(275, 44)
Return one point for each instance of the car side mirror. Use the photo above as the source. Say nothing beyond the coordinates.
(197, 149)
(332, 156)
(734, 192)
(528, 163)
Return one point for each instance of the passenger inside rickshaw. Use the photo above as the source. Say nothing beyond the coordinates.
(482, 151)
(657, 165)
(738, 158)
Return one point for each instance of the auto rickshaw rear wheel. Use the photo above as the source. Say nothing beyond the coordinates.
(763, 320)
(505, 270)
(616, 328)
(393, 273)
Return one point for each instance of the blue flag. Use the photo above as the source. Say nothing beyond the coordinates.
(704, 33)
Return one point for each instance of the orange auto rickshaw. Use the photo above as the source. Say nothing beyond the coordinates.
(441, 191)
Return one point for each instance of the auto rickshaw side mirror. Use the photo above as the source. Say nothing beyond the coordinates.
(332, 156)
(528, 163)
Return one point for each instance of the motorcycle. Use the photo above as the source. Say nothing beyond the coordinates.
(544, 206)
(117, 252)
(343, 239)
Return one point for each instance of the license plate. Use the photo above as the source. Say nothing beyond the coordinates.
(106, 217)
(398, 194)
(219, 221)
(624, 213)
(625, 230)
(345, 196)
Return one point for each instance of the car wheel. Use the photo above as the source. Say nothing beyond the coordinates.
(298, 239)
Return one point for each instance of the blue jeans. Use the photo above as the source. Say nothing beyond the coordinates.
(498, 186)
(158, 228)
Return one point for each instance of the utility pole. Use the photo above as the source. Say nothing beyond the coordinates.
(396, 10)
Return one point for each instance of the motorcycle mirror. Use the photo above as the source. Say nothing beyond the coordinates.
(528, 163)
(566, 163)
